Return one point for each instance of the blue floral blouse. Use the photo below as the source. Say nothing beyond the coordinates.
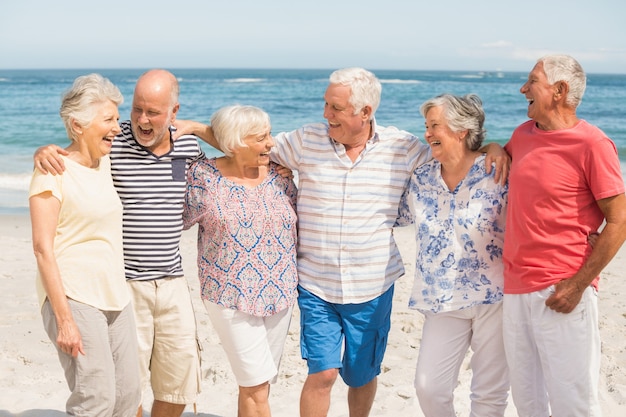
(459, 236)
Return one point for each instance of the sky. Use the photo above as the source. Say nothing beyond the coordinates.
(481, 35)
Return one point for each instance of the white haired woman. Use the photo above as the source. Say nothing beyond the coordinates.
(459, 213)
(246, 249)
(77, 238)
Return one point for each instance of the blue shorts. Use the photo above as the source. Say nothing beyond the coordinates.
(364, 326)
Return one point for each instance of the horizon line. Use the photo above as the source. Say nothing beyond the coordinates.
(279, 69)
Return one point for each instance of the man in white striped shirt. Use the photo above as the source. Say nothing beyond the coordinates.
(149, 174)
(351, 175)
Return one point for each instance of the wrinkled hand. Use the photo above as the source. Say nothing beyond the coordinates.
(502, 160)
(69, 339)
(184, 127)
(566, 296)
(284, 172)
(592, 238)
(48, 160)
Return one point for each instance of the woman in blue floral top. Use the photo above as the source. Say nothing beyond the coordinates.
(459, 214)
(247, 238)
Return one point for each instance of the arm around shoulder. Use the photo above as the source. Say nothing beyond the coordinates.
(191, 127)
(48, 159)
(496, 153)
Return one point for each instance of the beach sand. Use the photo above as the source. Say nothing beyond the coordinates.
(32, 383)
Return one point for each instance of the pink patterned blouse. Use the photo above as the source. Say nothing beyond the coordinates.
(246, 239)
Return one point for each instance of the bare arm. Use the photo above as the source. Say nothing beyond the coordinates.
(568, 292)
(496, 153)
(48, 160)
(204, 132)
(190, 127)
(44, 214)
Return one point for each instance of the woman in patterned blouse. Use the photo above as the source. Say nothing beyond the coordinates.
(459, 214)
(247, 238)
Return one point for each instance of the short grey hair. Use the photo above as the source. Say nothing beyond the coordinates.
(365, 89)
(232, 124)
(78, 102)
(567, 69)
(461, 113)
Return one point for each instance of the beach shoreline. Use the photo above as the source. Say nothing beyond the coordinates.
(32, 383)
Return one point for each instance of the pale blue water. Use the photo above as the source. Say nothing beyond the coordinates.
(29, 103)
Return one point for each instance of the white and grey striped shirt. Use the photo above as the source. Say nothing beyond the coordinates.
(346, 210)
(152, 191)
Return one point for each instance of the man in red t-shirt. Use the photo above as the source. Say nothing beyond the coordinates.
(565, 181)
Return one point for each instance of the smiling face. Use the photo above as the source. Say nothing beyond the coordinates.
(97, 138)
(445, 144)
(256, 153)
(153, 111)
(345, 126)
(540, 94)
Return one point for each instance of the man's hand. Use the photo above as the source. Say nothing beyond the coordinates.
(497, 154)
(187, 127)
(566, 296)
(48, 160)
(284, 172)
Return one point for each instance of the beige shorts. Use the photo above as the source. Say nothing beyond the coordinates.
(169, 350)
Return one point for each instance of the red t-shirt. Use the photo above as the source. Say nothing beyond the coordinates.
(556, 178)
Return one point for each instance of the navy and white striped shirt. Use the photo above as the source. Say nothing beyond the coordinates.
(152, 191)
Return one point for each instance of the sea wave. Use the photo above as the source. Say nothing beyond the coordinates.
(19, 182)
(244, 80)
(398, 81)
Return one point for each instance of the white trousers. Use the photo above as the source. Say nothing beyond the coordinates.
(445, 339)
(554, 358)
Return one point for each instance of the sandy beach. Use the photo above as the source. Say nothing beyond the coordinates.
(32, 383)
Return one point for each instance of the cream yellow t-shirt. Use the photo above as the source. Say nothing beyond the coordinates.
(88, 242)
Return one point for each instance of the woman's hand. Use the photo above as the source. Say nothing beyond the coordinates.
(69, 339)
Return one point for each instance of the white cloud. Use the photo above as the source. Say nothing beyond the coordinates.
(497, 44)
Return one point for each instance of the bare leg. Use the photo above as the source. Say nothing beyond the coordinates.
(253, 401)
(140, 411)
(163, 409)
(315, 397)
(360, 399)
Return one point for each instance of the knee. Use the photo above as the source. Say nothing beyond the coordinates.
(323, 379)
(432, 389)
(258, 394)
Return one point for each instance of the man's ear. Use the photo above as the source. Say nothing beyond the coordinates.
(367, 112)
(561, 89)
(174, 112)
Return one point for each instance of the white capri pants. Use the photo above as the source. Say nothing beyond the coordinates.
(253, 345)
(554, 358)
(446, 336)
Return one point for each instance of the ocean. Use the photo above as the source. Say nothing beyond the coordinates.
(29, 104)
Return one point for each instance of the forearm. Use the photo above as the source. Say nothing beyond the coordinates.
(53, 286)
(608, 244)
(190, 127)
